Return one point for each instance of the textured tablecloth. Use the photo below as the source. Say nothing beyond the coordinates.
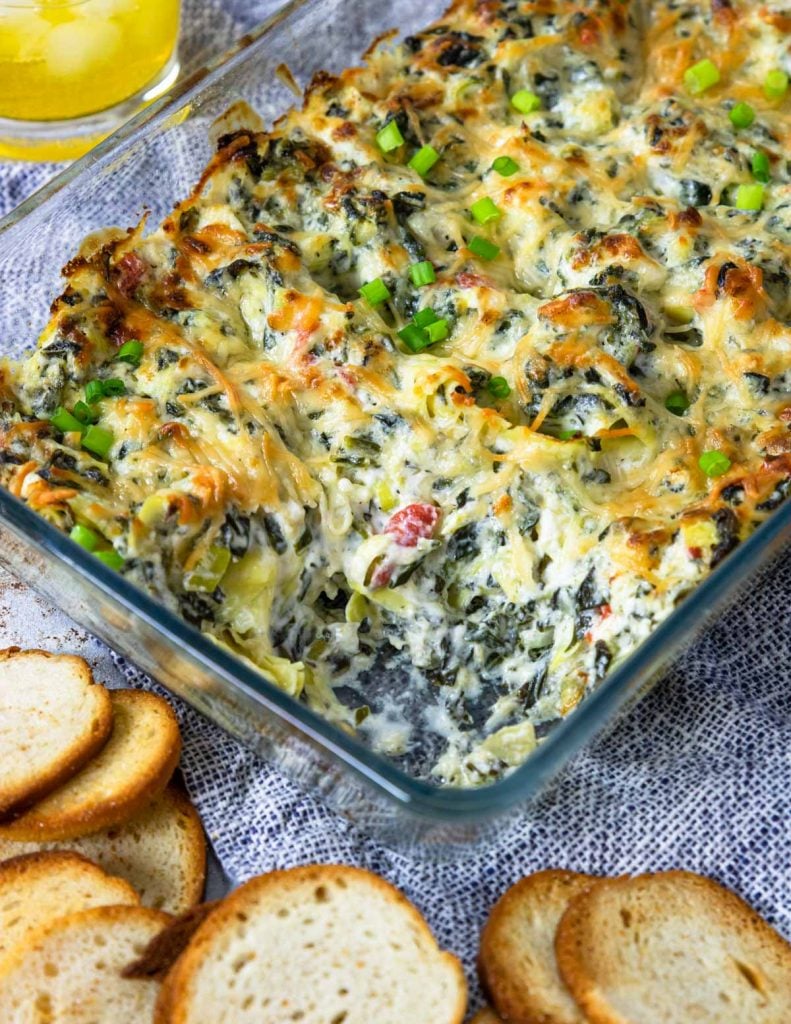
(697, 776)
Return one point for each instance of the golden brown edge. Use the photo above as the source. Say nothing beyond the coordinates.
(149, 784)
(569, 942)
(508, 999)
(195, 839)
(75, 757)
(113, 915)
(174, 988)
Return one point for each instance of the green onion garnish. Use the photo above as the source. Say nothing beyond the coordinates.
(776, 84)
(389, 137)
(505, 166)
(375, 292)
(110, 558)
(499, 387)
(424, 317)
(437, 331)
(525, 101)
(483, 248)
(63, 421)
(98, 440)
(568, 435)
(677, 403)
(130, 352)
(760, 166)
(426, 329)
(714, 463)
(94, 390)
(750, 197)
(85, 413)
(701, 76)
(742, 115)
(422, 273)
(424, 160)
(85, 537)
(414, 337)
(485, 210)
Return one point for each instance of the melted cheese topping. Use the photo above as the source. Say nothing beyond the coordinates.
(426, 559)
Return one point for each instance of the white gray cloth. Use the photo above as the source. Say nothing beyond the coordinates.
(697, 776)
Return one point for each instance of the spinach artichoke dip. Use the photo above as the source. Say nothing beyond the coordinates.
(436, 399)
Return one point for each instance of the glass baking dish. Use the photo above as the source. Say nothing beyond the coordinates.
(148, 165)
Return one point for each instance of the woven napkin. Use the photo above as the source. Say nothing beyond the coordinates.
(697, 776)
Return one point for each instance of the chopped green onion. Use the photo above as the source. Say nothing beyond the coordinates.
(113, 387)
(424, 317)
(130, 352)
(94, 390)
(375, 292)
(776, 84)
(499, 387)
(389, 137)
(414, 337)
(701, 76)
(63, 421)
(760, 166)
(568, 435)
(525, 101)
(677, 403)
(110, 558)
(426, 329)
(485, 210)
(98, 440)
(85, 413)
(437, 331)
(749, 197)
(85, 537)
(714, 463)
(483, 248)
(505, 166)
(424, 160)
(422, 273)
(742, 115)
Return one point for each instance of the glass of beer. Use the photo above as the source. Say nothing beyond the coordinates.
(72, 70)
